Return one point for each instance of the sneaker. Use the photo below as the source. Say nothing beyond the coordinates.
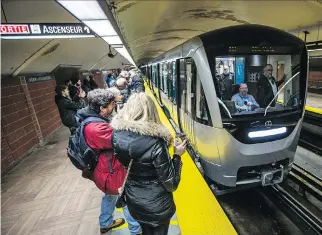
(116, 223)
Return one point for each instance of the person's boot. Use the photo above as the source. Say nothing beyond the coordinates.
(116, 223)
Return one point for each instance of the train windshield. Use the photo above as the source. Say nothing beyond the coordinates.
(255, 84)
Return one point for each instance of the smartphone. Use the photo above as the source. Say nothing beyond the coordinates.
(179, 138)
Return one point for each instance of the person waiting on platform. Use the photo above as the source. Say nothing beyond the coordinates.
(153, 176)
(267, 87)
(244, 101)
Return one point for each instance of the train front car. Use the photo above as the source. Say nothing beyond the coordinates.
(256, 99)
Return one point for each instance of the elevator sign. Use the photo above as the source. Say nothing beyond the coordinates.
(13, 31)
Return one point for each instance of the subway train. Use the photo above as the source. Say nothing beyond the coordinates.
(204, 84)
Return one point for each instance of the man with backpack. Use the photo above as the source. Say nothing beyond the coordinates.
(94, 135)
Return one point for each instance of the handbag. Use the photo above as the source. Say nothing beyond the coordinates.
(121, 202)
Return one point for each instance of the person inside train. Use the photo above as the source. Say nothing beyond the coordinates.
(153, 176)
(244, 101)
(226, 80)
(267, 87)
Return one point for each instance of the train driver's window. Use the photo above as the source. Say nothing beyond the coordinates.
(202, 111)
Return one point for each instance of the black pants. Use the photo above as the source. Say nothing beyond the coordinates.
(160, 230)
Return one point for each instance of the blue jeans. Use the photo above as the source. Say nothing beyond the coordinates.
(106, 216)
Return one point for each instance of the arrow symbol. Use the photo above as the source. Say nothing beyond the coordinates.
(87, 29)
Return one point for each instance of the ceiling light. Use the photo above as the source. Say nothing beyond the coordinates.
(113, 40)
(101, 27)
(84, 10)
(47, 36)
(125, 54)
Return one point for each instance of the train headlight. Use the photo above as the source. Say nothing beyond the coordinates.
(270, 132)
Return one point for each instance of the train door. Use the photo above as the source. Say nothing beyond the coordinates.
(187, 98)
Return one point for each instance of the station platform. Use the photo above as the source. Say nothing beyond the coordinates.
(314, 103)
(309, 161)
(46, 195)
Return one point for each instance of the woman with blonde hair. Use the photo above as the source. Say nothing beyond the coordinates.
(153, 176)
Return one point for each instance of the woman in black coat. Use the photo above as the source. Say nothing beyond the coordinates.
(139, 135)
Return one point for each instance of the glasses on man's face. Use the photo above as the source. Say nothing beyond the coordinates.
(270, 70)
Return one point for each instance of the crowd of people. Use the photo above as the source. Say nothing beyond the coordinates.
(124, 129)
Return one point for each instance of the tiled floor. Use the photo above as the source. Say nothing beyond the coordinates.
(45, 195)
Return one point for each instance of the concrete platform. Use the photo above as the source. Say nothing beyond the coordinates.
(309, 161)
(314, 100)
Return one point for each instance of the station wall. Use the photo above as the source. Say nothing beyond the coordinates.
(28, 116)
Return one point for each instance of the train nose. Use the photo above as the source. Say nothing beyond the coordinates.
(273, 176)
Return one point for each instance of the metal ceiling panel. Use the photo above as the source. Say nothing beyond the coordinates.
(84, 52)
(145, 25)
(15, 52)
(36, 12)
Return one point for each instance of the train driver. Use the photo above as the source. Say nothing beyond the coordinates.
(244, 101)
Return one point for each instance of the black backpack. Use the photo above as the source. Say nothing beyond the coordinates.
(78, 151)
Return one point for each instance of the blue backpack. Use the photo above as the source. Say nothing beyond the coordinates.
(81, 155)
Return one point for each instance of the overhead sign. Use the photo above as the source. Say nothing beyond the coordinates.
(45, 30)
(38, 78)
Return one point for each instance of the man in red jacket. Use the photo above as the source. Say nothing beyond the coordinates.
(101, 103)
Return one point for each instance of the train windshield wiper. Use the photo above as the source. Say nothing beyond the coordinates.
(280, 92)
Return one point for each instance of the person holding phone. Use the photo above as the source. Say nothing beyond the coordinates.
(139, 136)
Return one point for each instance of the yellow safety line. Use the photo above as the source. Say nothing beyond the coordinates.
(198, 211)
(313, 110)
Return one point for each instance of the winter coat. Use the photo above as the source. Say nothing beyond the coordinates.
(98, 137)
(137, 85)
(67, 110)
(153, 175)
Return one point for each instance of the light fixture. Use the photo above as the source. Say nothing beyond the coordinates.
(84, 10)
(125, 54)
(113, 40)
(101, 27)
(47, 36)
(265, 133)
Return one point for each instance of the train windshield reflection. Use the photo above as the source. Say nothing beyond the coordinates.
(248, 84)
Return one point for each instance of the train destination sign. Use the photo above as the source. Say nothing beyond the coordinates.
(12, 31)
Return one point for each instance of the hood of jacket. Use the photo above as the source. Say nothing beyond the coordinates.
(144, 129)
(137, 137)
(84, 113)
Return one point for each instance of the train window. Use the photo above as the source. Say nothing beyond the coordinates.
(170, 84)
(165, 77)
(174, 82)
(202, 111)
(182, 86)
(190, 85)
(249, 84)
(161, 76)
